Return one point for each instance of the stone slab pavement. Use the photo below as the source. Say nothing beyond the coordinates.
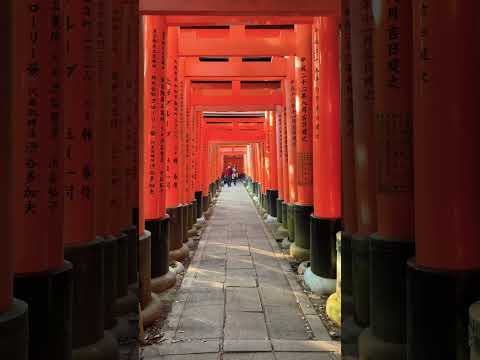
(239, 299)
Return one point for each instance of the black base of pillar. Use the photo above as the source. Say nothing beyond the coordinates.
(388, 281)
(323, 248)
(205, 204)
(185, 220)
(135, 217)
(386, 336)
(126, 301)
(191, 214)
(300, 249)
(346, 269)
(189, 217)
(194, 212)
(122, 269)
(291, 222)
(104, 349)
(361, 278)
(88, 295)
(144, 269)
(437, 311)
(14, 332)
(181, 226)
(199, 208)
(110, 259)
(49, 298)
(178, 251)
(132, 254)
(266, 203)
(159, 246)
(272, 196)
(279, 203)
(285, 214)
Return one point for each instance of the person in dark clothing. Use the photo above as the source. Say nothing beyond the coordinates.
(234, 176)
(228, 175)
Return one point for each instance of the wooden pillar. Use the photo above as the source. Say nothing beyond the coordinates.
(393, 243)
(157, 222)
(442, 280)
(286, 182)
(304, 156)
(132, 140)
(271, 164)
(82, 247)
(280, 157)
(325, 220)
(364, 152)
(174, 162)
(117, 126)
(290, 95)
(205, 166)
(13, 312)
(349, 207)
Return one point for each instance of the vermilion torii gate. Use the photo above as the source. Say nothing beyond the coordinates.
(97, 123)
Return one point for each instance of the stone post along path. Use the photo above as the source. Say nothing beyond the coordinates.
(239, 299)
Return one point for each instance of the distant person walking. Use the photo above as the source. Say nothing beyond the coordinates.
(234, 176)
(228, 175)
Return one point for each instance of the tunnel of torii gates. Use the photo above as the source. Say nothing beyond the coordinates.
(360, 117)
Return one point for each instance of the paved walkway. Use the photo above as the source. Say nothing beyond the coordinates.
(239, 299)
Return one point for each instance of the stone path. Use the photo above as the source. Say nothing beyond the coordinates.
(239, 299)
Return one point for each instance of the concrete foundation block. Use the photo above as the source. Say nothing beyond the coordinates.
(318, 284)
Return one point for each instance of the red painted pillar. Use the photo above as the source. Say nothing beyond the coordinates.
(103, 157)
(303, 108)
(290, 96)
(182, 147)
(129, 74)
(192, 165)
(280, 157)
(263, 176)
(133, 54)
(258, 175)
(7, 261)
(137, 67)
(14, 322)
(364, 152)
(144, 236)
(157, 221)
(205, 166)
(178, 251)
(444, 274)
(188, 143)
(117, 127)
(349, 202)
(271, 163)
(126, 110)
(197, 183)
(286, 183)
(181, 131)
(103, 113)
(393, 243)
(81, 246)
(154, 28)
(325, 220)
